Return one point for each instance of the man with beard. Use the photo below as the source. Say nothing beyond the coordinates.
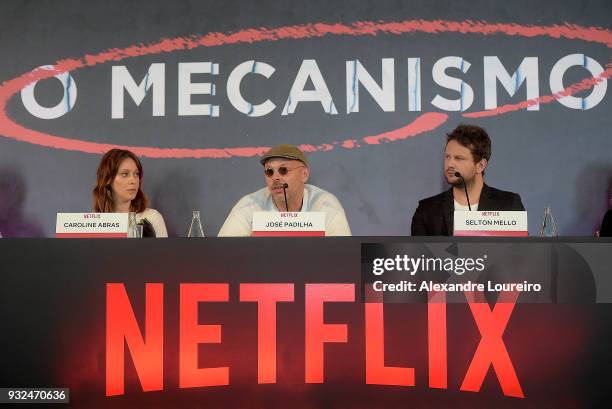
(468, 149)
(286, 164)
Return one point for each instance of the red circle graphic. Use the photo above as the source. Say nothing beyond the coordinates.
(424, 123)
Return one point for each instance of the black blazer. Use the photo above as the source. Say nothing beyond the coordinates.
(434, 215)
(606, 225)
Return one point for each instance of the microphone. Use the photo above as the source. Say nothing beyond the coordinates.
(107, 191)
(458, 175)
(285, 186)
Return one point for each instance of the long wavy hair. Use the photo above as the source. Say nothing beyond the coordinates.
(107, 170)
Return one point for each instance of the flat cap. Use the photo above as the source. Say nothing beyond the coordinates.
(285, 151)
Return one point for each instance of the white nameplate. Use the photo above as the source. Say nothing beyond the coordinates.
(288, 224)
(491, 223)
(77, 225)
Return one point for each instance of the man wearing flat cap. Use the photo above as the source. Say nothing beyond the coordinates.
(286, 164)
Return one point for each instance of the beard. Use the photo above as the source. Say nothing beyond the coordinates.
(457, 181)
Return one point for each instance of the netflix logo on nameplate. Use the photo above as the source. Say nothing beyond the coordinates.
(83, 225)
(288, 224)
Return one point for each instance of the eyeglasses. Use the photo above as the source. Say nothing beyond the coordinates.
(282, 170)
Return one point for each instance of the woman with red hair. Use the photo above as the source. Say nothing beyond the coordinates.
(118, 189)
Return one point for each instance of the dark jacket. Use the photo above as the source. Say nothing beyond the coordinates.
(434, 215)
(606, 225)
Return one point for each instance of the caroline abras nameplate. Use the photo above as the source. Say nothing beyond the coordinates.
(81, 225)
(491, 223)
(288, 224)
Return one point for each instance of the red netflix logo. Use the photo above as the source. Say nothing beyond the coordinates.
(147, 349)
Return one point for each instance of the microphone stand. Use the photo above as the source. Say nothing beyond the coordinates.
(457, 174)
(285, 186)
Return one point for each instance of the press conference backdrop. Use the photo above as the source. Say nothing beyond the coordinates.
(199, 89)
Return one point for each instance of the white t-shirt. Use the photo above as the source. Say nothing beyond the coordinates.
(240, 220)
(460, 207)
(157, 221)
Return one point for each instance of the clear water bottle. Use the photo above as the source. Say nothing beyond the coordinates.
(134, 230)
(195, 229)
(549, 227)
